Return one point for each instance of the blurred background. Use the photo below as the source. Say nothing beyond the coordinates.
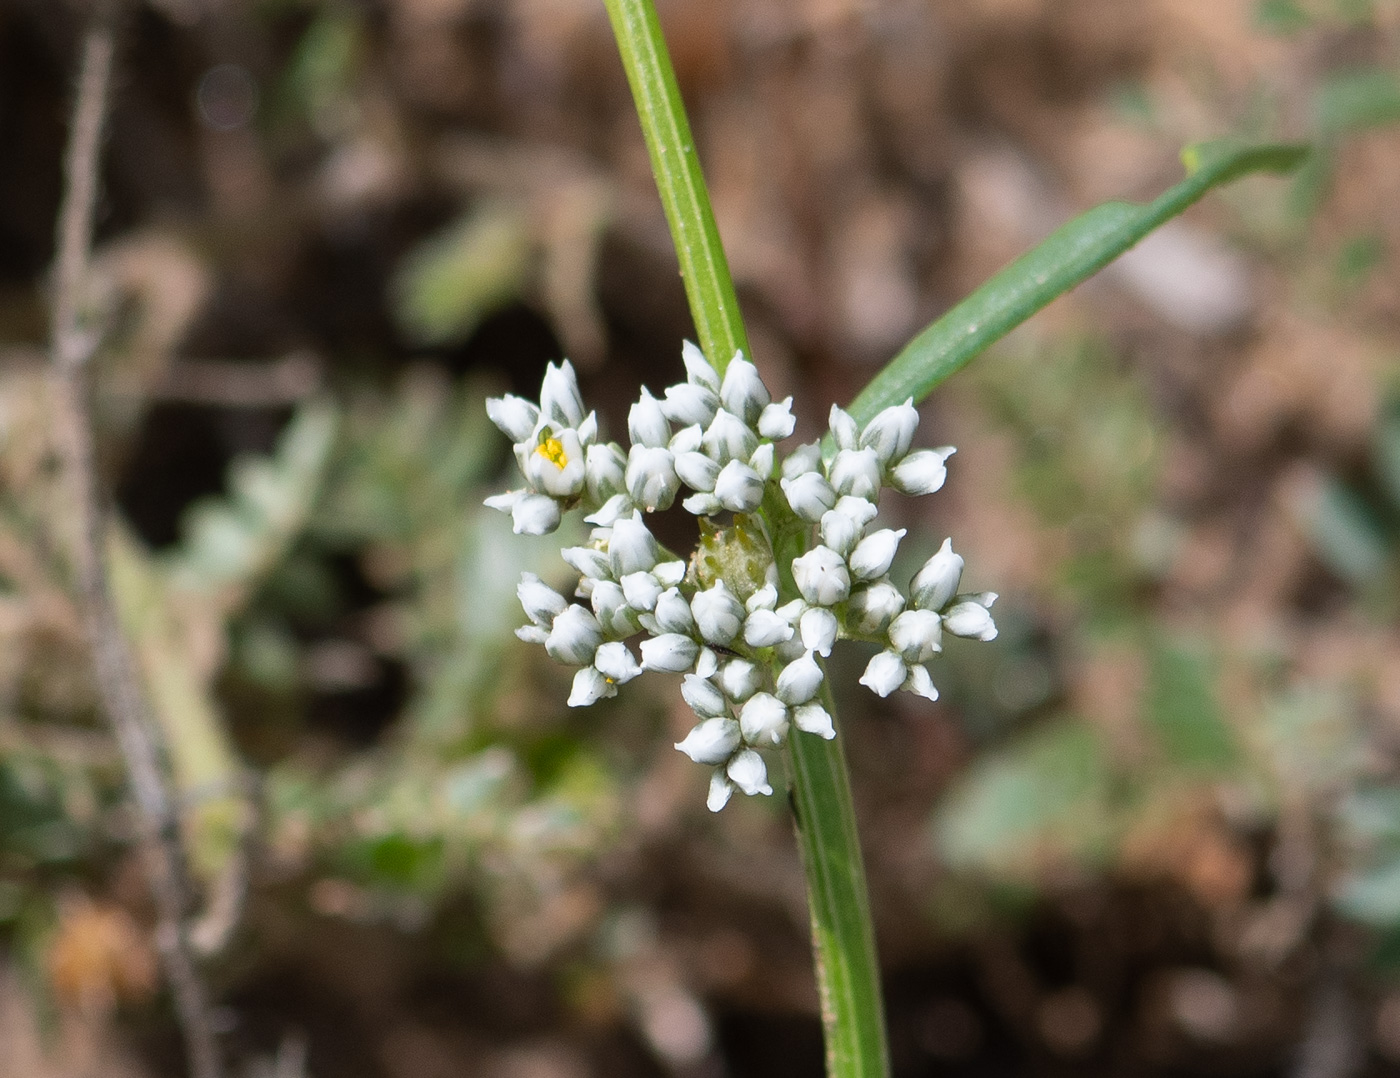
(1153, 829)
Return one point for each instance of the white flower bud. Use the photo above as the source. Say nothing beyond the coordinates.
(813, 719)
(686, 440)
(891, 432)
(534, 514)
(574, 637)
(610, 608)
(697, 471)
(604, 469)
(702, 505)
(729, 438)
(718, 614)
(697, 367)
(764, 720)
(809, 495)
(776, 420)
(803, 459)
(669, 573)
(616, 663)
(542, 604)
(712, 741)
(818, 628)
(631, 547)
(588, 429)
(740, 679)
(856, 472)
(821, 576)
(689, 403)
(642, 589)
(762, 460)
(721, 790)
(611, 511)
(738, 487)
(670, 652)
(646, 422)
(799, 680)
(765, 598)
(970, 619)
(861, 510)
(920, 684)
(884, 673)
(515, 416)
(589, 687)
(747, 772)
(917, 635)
(651, 477)
(532, 634)
(673, 613)
(587, 561)
(937, 582)
(560, 400)
(703, 696)
(875, 553)
(871, 609)
(839, 531)
(843, 428)
(742, 391)
(921, 472)
(764, 628)
(556, 465)
(707, 663)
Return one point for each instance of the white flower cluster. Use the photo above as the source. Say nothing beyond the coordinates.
(750, 663)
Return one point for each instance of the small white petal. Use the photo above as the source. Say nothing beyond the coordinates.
(740, 679)
(803, 459)
(872, 608)
(776, 421)
(884, 673)
(673, 613)
(515, 416)
(809, 495)
(698, 368)
(738, 487)
(651, 477)
(703, 696)
(856, 472)
(712, 741)
(532, 634)
(843, 428)
(646, 422)
(587, 561)
(686, 440)
(920, 684)
(542, 604)
(762, 460)
(729, 438)
(763, 720)
(670, 652)
(588, 429)
(917, 635)
(839, 531)
(765, 598)
(707, 665)
(747, 772)
(688, 403)
(742, 390)
(861, 510)
(631, 547)
(560, 400)
(814, 719)
(921, 472)
(799, 680)
(937, 581)
(970, 619)
(721, 789)
(764, 628)
(535, 514)
(642, 589)
(875, 553)
(611, 511)
(702, 505)
(604, 469)
(589, 687)
(891, 432)
(574, 637)
(818, 628)
(669, 573)
(616, 663)
(697, 471)
(821, 576)
(504, 502)
(718, 614)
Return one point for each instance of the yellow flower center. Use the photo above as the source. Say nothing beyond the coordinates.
(552, 449)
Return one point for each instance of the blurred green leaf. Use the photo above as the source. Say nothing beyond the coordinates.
(1181, 708)
(1372, 896)
(1386, 451)
(449, 282)
(1346, 534)
(1365, 97)
(1283, 17)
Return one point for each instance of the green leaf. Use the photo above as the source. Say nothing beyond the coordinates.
(1365, 97)
(1346, 534)
(1072, 254)
(1182, 709)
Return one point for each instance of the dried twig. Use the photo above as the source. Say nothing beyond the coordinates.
(71, 346)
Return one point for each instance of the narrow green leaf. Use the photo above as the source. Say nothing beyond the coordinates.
(1364, 97)
(1072, 254)
(1180, 706)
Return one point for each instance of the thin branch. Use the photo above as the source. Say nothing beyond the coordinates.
(72, 344)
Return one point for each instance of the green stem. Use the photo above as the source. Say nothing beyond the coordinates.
(843, 939)
(713, 304)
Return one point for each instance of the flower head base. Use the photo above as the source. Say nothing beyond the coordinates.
(750, 654)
